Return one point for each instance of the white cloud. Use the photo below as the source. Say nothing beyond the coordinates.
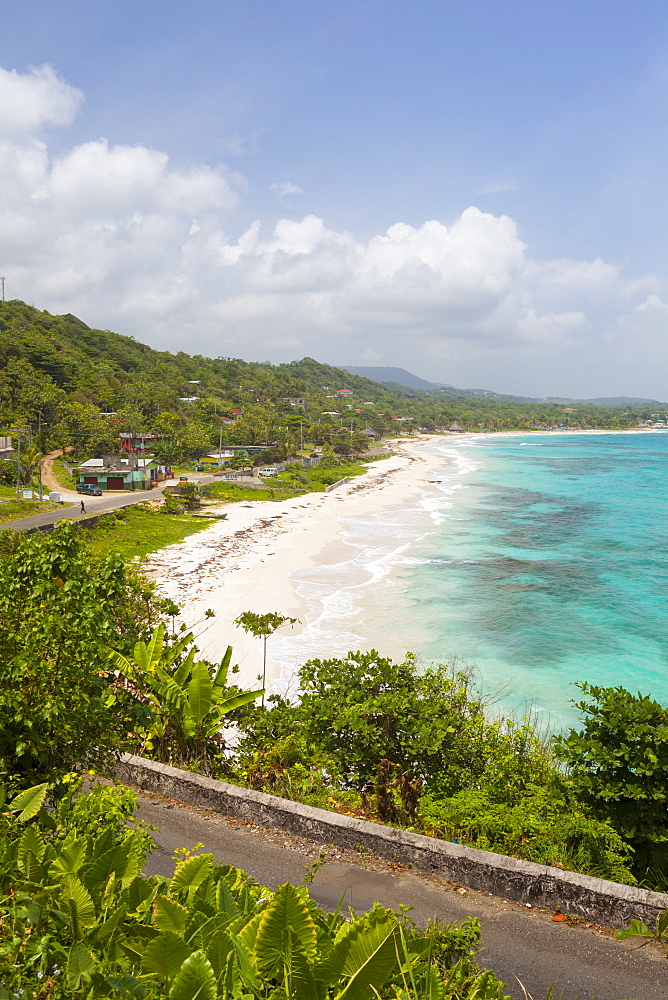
(29, 102)
(128, 241)
(286, 188)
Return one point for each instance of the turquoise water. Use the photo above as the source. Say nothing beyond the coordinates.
(551, 567)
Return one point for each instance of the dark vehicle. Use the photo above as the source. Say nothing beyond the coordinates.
(90, 490)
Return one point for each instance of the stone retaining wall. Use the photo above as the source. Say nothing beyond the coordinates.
(339, 482)
(87, 521)
(595, 899)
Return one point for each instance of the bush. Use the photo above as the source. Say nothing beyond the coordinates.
(535, 827)
(60, 610)
(618, 767)
(78, 920)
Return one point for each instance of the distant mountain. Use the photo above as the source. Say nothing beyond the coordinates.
(398, 377)
(615, 401)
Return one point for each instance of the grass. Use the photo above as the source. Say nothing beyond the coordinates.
(138, 530)
(291, 483)
(12, 509)
(66, 480)
(236, 492)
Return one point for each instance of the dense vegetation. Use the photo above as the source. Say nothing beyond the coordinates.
(78, 920)
(87, 670)
(84, 386)
(415, 748)
(84, 672)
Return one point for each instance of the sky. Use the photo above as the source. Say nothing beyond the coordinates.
(473, 191)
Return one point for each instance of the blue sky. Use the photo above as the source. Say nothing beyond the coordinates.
(254, 178)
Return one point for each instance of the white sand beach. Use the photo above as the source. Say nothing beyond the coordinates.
(244, 562)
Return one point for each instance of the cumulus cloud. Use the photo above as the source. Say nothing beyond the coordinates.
(32, 101)
(129, 241)
(286, 188)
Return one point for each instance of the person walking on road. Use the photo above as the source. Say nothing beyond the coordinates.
(83, 509)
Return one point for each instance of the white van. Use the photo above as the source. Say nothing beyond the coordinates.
(267, 473)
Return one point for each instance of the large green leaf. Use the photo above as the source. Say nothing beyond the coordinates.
(195, 980)
(366, 954)
(123, 861)
(80, 964)
(165, 955)
(166, 690)
(225, 901)
(154, 647)
(75, 895)
(237, 700)
(111, 924)
(246, 969)
(70, 856)
(31, 844)
(191, 873)
(215, 718)
(179, 676)
(286, 920)
(220, 680)
(29, 802)
(218, 951)
(168, 915)
(199, 693)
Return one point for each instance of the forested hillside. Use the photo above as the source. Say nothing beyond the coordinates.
(85, 386)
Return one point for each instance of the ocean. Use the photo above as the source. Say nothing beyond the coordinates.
(540, 560)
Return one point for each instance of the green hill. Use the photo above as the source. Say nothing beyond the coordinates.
(99, 365)
(84, 386)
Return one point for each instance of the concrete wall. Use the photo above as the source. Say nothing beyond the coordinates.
(595, 899)
(339, 482)
(88, 521)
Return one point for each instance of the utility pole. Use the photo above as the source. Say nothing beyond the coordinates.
(18, 464)
(2, 285)
(39, 464)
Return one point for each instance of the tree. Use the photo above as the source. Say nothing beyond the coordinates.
(264, 626)
(386, 724)
(618, 765)
(59, 612)
(186, 704)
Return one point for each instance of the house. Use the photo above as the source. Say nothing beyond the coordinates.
(134, 443)
(114, 472)
(370, 432)
(6, 450)
(294, 401)
(215, 459)
(188, 399)
(456, 428)
(249, 449)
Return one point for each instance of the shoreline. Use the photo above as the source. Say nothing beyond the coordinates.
(246, 562)
(266, 555)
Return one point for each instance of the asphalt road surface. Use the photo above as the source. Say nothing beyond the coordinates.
(520, 944)
(93, 505)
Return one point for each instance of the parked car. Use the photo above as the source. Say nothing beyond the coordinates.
(89, 489)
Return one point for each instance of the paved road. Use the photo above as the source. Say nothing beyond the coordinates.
(520, 944)
(94, 505)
